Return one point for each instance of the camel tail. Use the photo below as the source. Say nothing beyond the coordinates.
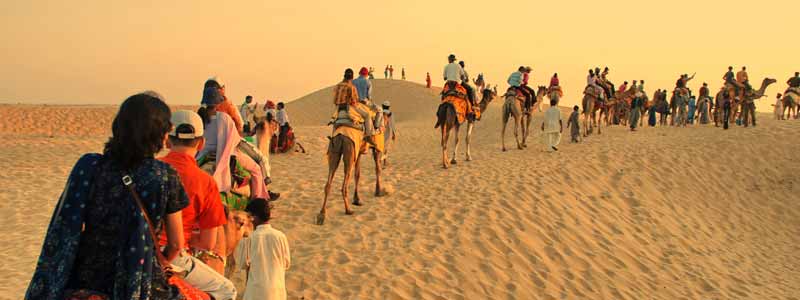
(441, 114)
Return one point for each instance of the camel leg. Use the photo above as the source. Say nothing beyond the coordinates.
(350, 158)
(455, 145)
(503, 134)
(379, 192)
(445, 137)
(333, 164)
(526, 130)
(470, 126)
(517, 128)
(357, 173)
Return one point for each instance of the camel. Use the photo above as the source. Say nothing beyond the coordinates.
(751, 96)
(790, 103)
(447, 120)
(512, 107)
(487, 97)
(341, 148)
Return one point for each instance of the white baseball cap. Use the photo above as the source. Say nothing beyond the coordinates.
(387, 103)
(186, 125)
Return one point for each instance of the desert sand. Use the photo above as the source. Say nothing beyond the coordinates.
(663, 213)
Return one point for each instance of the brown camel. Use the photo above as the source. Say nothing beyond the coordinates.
(747, 106)
(512, 107)
(341, 148)
(790, 102)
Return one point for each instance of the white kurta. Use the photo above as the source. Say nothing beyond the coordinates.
(268, 258)
(552, 127)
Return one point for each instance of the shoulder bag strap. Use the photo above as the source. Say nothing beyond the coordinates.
(128, 181)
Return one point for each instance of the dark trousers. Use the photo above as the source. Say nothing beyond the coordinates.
(529, 94)
(284, 130)
(726, 114)
(470, 92)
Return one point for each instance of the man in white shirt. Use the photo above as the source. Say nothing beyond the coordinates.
(247, 114)
(266, 256)
(283, 123)
(552, 126)
(453, 71)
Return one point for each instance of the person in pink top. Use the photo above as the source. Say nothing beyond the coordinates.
(554, 80)
(529, 97)
(623, 87)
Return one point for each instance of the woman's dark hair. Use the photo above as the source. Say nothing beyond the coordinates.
(211, 83)
(138, 129)
(348, 74)
(203, 112)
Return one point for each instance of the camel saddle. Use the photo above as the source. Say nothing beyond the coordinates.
(456, 95)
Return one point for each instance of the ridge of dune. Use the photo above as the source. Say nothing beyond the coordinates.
(411, 100)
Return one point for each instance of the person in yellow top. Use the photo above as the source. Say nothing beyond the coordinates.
(744, 82)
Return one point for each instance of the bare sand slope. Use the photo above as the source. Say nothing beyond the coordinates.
(664, 213)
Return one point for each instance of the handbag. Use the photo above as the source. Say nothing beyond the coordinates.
(188, 291)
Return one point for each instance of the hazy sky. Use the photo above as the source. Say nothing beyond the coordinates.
(103, 51)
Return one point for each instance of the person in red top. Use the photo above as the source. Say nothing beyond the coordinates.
(529, 97)
(428, 80)
(554, 80)
(204, 212)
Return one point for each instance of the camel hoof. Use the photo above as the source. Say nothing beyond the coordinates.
(357, 202)
(320, 218)
(381, 193)
(504, 149)
(349, 212)
(469, 158)
(453, 162)
(519, 147)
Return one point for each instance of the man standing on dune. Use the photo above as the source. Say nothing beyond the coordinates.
(428, 80)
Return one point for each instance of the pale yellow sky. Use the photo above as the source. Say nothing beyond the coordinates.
(102, 51)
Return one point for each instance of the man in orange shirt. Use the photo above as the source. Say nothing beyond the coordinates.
(205, 210)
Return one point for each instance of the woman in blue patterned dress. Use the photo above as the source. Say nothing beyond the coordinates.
(97, 242)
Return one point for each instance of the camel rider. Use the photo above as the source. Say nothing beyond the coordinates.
(531, 93)
(465, 84)
(591, 81)
(731, 83)
(623, 87)
(744, 82)
(794, 84)
(364, 88)
(349, 110)
(607, 83)
(555, 85)
(515, 83)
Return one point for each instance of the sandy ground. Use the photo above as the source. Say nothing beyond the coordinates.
(663, 213)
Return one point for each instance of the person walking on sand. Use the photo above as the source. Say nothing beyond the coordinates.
(428, 80)
(390, 131)
(386, 72)
(692, 107)
(391, 72)
(574, 124)
(371, 73)
(247, 114)
(552, 126)
(205, 211)
(778, 107)
(266, 257)
(403, 73)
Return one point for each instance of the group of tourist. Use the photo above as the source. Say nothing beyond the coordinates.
(388, 72)
(273, 114)
(131, 226)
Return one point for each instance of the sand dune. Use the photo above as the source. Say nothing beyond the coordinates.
(663, 213)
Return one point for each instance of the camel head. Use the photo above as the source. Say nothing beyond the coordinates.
(541, 89)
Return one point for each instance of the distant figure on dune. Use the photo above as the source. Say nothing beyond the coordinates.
(371, 73)
(391, 72)
(428, 80)
(552, 126)
(574, 124)
(386, 72)
(403, 73)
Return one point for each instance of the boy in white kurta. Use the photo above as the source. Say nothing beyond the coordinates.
(552, 127)
(267, 257)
